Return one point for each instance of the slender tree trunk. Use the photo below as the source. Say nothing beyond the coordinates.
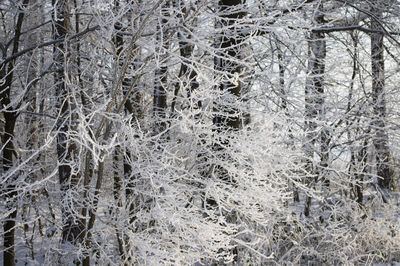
(9, 190)
(362, 159)
(132, 106)
(160, 76)
(284, 107)
(227, 118)
(314, 109)
(132, 109)
(10, 117)
(117, 198)
(119, 45)
(187, 73)
(381, 139)
(225, 63)
(358, 160)
(227, 68)
(68, 180)
(32, 142)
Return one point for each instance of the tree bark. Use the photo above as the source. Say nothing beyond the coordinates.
(160, 76)
(227, 117)
(132, 109)
(314, 108)
(225, 63)
(187, 72)
(381, 139)
(72, 226)
(10, 117)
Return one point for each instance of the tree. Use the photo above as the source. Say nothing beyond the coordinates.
(314, 108)
(10, 112)
(160, 75)
(66, 149)
(178, 132)
(228, 45)
(381, 139)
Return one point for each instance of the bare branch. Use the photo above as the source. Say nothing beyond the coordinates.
(44, 44)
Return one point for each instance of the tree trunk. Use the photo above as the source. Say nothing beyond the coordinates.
(227, 118)
(381, 139)
(160, 76)
(68, 181)
(187, 73)
(9, 188)
(284, 107)
(132, 109)
(10, 117)
(225, 63)
(314, 108)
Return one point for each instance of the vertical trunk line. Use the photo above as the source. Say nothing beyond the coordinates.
(315, 110)
(72, 226)
(381, 139)
(284, 107)
(10, 116)
(160, 84)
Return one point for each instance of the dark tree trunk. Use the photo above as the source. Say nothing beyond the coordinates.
(9, 188)
(10, 117)
(314, 109)
(160, 76)
(228, 52)
(362, 160)
(227, 117)
(225, 63)
(72, 226)
(132, 109)
(187, 73)
(284, 107)
(381, 139)
(358, 160)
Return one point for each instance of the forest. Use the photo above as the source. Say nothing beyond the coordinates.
(199, 132)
